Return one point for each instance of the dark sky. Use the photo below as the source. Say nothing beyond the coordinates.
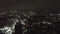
(29, 3)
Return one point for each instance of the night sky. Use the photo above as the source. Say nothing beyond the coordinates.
(29, 4)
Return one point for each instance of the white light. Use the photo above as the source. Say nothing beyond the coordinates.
(22, 22)
(44, 22)
(49, 23)
(58, 14)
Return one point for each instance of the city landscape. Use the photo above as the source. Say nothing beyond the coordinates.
(30, 21)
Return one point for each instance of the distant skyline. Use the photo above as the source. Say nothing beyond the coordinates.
(29, 4)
